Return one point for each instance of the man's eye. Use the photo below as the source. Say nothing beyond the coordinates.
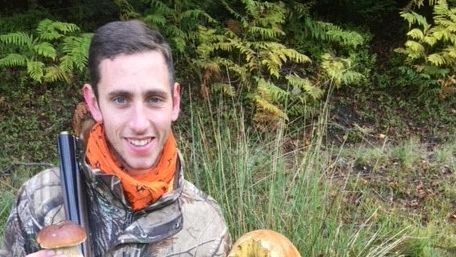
(154, 100)
(119, 100)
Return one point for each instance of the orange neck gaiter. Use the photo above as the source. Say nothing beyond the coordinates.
(141, 190)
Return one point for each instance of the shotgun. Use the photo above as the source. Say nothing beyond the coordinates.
(73, 186)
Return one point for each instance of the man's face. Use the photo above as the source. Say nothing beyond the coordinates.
(136, 107)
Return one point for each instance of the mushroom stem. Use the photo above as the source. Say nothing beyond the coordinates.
(74, 251)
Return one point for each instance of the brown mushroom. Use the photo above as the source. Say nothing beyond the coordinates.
(64, 238)
(263, 243)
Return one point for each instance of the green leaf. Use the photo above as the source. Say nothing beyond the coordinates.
(436, 59)
(416, 49)
(17, 38)
(226, 89)
(51, 30)
(55, 73)
(35, 70)
(157, 20)
(45, 49)
(304, 85)
(430, 40)
(416, 34)
(272, 109)
(13, 60)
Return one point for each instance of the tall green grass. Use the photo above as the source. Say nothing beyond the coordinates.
(261, 185)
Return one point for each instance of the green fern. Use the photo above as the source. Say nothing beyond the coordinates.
(51, 30)
(45, 49)
(13, 60)
(341, 56)
(303, 85)
(35, 70)
(51, 54)
(318, 30)
(55, 74)
(75, 50)
(127, 11)
(178, 21)
(340, 70)
(17, 39)
(253, 58)
(431, 46)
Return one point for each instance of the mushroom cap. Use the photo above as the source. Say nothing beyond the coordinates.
(64, 234)
(263, 242)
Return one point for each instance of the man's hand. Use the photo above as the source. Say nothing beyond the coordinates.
(45, 253)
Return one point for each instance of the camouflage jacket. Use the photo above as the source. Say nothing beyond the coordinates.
(184, 222)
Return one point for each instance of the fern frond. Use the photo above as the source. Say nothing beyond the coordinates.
(76, 52)
(273, 64)
(415, 18)
(17, 38)
(226, 89)
(226, 46)
(232, 11)
(160, 7)
(430, 40)
(250, 6)
(345, 38)
(265, 33)
(325, 31)
(52, 30)
(55, 73)
(303, 85)
(45, 49)
(296, 56)
(269, 91)
(155, 20)
(416, 49)
(451, 53)
(127, 11)
(35, 70)
(416, 34)
(13, 60)
(339, 70)
(270, 108)
(196, 14)
(213, 67)
(436, 59)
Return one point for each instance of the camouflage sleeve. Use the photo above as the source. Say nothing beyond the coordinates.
(225, 245)
(37, 204)
(15, 237)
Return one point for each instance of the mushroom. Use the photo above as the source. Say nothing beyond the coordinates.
(263, 243)
(64, 238)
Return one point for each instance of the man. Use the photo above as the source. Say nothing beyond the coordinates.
(138, 202)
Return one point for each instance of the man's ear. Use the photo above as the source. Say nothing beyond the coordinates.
(176, 101)
(92, 103)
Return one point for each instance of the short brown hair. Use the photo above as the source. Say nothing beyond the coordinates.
(126, 37)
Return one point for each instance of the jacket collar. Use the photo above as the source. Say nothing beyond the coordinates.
(160, 220)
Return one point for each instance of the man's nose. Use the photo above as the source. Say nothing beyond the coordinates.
(139, 121)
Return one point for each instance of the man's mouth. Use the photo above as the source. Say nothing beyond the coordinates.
(139, 142)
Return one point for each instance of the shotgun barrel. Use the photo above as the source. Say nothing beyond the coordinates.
(73, 186)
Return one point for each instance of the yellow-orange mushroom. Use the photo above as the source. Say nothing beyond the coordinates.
(263, 243)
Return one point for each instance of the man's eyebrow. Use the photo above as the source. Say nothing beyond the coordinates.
(153, 92)
(119, 93)
(156, 92)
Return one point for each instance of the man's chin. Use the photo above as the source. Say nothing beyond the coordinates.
(138, 168)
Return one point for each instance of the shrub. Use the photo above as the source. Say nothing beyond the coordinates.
(55, 52)
(430, 48)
